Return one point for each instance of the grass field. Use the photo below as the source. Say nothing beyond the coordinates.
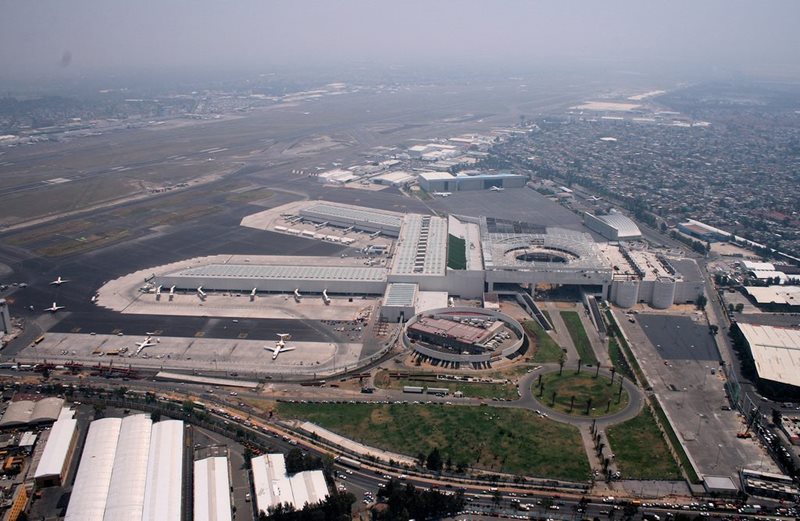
(509, 440)
(470, 390)
(579, 338)
(546, 349)
(640, 450)
(583, 386)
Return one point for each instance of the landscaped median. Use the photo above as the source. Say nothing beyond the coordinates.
(578, 334)
(503, 440)
(546, 349)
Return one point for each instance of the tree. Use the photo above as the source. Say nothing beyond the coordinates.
(580, 363)
(777, 417)
(497, 498)
(701, 301)
(561, 361)
(155, 416)
(434, 461)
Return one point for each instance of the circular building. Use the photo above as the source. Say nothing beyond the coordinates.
(464, 335)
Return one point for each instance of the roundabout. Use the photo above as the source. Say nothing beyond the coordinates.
(585, 394)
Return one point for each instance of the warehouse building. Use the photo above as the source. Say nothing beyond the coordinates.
(126, 490)
(212, 498)
(31, 409)
(163, 490)
(90, 491)
(273, 486)
(446, 182)
(58, 451)
(614, 226)
(130, 470)
(775, 352)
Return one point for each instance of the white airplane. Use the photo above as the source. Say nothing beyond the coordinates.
(141, 345)
(54, 308)
(280, 345)
(442, 194)
(59, 281)
(496, 189)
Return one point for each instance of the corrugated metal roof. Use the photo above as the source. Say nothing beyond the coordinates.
(163, 491)
(212, 500)
(776, 352)
(624, 226)
(400, 294)
(422, 247)
(88, 499)
(353, 215)
(239, 271)
(126, 490)
(270, 481)
(57, 446)
(32, 411)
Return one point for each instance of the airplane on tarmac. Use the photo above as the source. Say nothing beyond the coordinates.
(497, 189)
(59, 281)
(53, 308)
(141, 345)
(443, 194)
(280, 345)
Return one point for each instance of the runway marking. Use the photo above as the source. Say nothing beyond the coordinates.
(200, 334)
(242, 335)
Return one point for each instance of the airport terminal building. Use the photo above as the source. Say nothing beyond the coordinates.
(433, 258)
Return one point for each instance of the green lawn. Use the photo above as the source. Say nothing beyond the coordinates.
(470, 390)
(583, 386)
(617, 358)
(640, 450)
(456, 253)
(546, 349)
(509, 440)
(579, 338)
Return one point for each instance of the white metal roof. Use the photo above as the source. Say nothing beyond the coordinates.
(57, 446)
(126, 490)
(435, 176)
(270, 481)
(328, 273)
(163, 490)
(758, 266)
(88, 499)
(308, 487)
(776, 352)
(625, 227)
(422, 246)
(788, 295)
(400, 294)
(354, 215)
(212, 499)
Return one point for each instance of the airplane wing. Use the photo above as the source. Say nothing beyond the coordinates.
(287, 349)
(273, 349)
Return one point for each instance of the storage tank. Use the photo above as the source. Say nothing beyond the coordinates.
(663, 293)
(626, 293)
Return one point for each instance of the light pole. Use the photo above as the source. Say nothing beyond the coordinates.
(719, 451)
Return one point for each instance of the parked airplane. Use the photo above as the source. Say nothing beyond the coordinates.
(442, 194)
(59, 281)
(280, 345)
(54, 308)
(497, 189)
(141, 345)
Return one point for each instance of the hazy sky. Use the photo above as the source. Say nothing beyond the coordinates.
(67, 37)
